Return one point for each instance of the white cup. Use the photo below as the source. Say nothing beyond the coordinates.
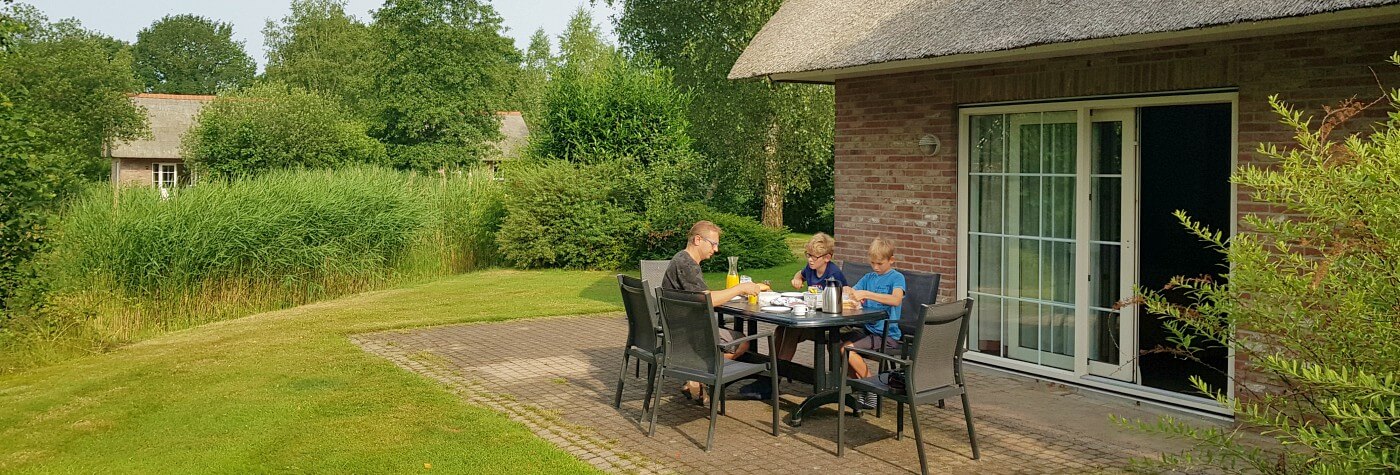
(799, 310)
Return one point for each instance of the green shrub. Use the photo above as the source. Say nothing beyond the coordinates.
(1310, 302)
(756, 245)
(565, 215)
(118, 271)
(272, 126)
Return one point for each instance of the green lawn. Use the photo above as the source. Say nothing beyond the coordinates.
(286, 391)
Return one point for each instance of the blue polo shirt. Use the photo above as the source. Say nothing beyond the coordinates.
(883, 284)
(811, 277)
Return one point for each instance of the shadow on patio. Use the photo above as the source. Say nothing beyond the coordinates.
(557, 376)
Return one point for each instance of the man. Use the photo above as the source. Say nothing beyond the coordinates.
(683, 273)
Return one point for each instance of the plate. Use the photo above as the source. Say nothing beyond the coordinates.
(775, 309)
(736, 298)
(792, 294)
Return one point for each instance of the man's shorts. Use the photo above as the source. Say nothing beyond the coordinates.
(727, 335)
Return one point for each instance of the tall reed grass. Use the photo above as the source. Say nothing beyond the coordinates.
(127, 264)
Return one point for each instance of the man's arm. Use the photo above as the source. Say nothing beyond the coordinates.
(720, 297)
(892, 299)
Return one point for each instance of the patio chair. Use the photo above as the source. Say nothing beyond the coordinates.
(691, 351)
(653, 272)
(644, 337)
(932, 371)
(921, 288)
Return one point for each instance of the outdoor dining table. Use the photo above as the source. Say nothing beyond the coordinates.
(824, 374)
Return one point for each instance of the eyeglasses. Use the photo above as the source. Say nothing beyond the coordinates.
(714, 244)
(811, 257)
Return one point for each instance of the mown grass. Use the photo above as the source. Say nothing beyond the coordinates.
(286, 391)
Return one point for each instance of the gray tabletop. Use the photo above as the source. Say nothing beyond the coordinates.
(848, 316)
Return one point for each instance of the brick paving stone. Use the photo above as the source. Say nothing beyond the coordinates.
(559, 376)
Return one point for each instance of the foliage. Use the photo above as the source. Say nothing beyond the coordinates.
(528, 94)
(1311, 301)
(445, 72)
(599, 105)
(756, 135)
(593, 216)
(271, 126)
(560, 214)
(320, 48)
(118, 269)
(72, 84)
(757, 246)
(190, 54)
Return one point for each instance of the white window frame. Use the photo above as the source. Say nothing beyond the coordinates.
(1083, 106)
(158, 169)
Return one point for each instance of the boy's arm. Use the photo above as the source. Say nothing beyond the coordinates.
(893, 299)
(797, 280)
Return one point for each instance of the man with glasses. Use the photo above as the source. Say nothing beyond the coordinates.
(683, 273)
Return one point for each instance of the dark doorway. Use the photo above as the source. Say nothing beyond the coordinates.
(1185, 153)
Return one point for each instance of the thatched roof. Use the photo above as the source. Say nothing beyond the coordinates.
(516, 135)
(170, 115)
(825, 35)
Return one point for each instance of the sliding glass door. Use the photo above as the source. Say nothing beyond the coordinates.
(1049, 212)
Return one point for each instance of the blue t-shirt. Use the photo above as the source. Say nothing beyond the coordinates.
(883, 284)
(811, 277)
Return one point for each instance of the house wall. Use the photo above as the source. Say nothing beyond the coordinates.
(886, 187)
(136, 171)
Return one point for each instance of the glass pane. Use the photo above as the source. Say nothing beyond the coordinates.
(1028, 256)
(1106, 267)
(1108, 208)
(1026, 317)
(988, 143)
(1107, 148)
(1060, 147)
(987, 265)
(1030, 193)
(987, 314)
(1060, 273)
(1058, 209)
(987, 201)
(1059, 332)
(1027, 143)
(1103, 336)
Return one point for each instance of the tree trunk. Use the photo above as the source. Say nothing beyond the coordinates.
(772, 179)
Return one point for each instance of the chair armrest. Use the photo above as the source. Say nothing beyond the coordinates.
(752, 337)
(876, 355)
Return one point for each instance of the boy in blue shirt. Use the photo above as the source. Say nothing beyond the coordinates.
(882, 289)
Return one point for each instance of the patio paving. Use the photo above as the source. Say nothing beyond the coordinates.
(560, 384)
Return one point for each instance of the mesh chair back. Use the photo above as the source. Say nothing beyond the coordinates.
(641, 321)
(692, 337)
(938, 343)
(921, 289)
(652, 273)
(854, 271)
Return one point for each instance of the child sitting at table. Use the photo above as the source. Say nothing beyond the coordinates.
(882, 289)
(819, 268)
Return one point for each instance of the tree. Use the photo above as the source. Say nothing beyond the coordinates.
(755, 133)
(320, 48)
(447, 70)
(190, 54)
(271, 126)
(72, 84)
(599, 106)
(528, 93)
(1310, 301)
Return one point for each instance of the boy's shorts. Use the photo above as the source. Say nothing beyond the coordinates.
(859, 337)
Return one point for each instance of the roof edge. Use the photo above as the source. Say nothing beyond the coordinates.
(1357, 17)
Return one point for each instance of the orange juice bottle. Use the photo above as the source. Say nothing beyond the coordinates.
(732, 278)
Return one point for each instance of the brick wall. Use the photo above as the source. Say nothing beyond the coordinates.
(885, 186)
(136, 171)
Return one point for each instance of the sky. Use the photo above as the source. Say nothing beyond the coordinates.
(122, 19)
